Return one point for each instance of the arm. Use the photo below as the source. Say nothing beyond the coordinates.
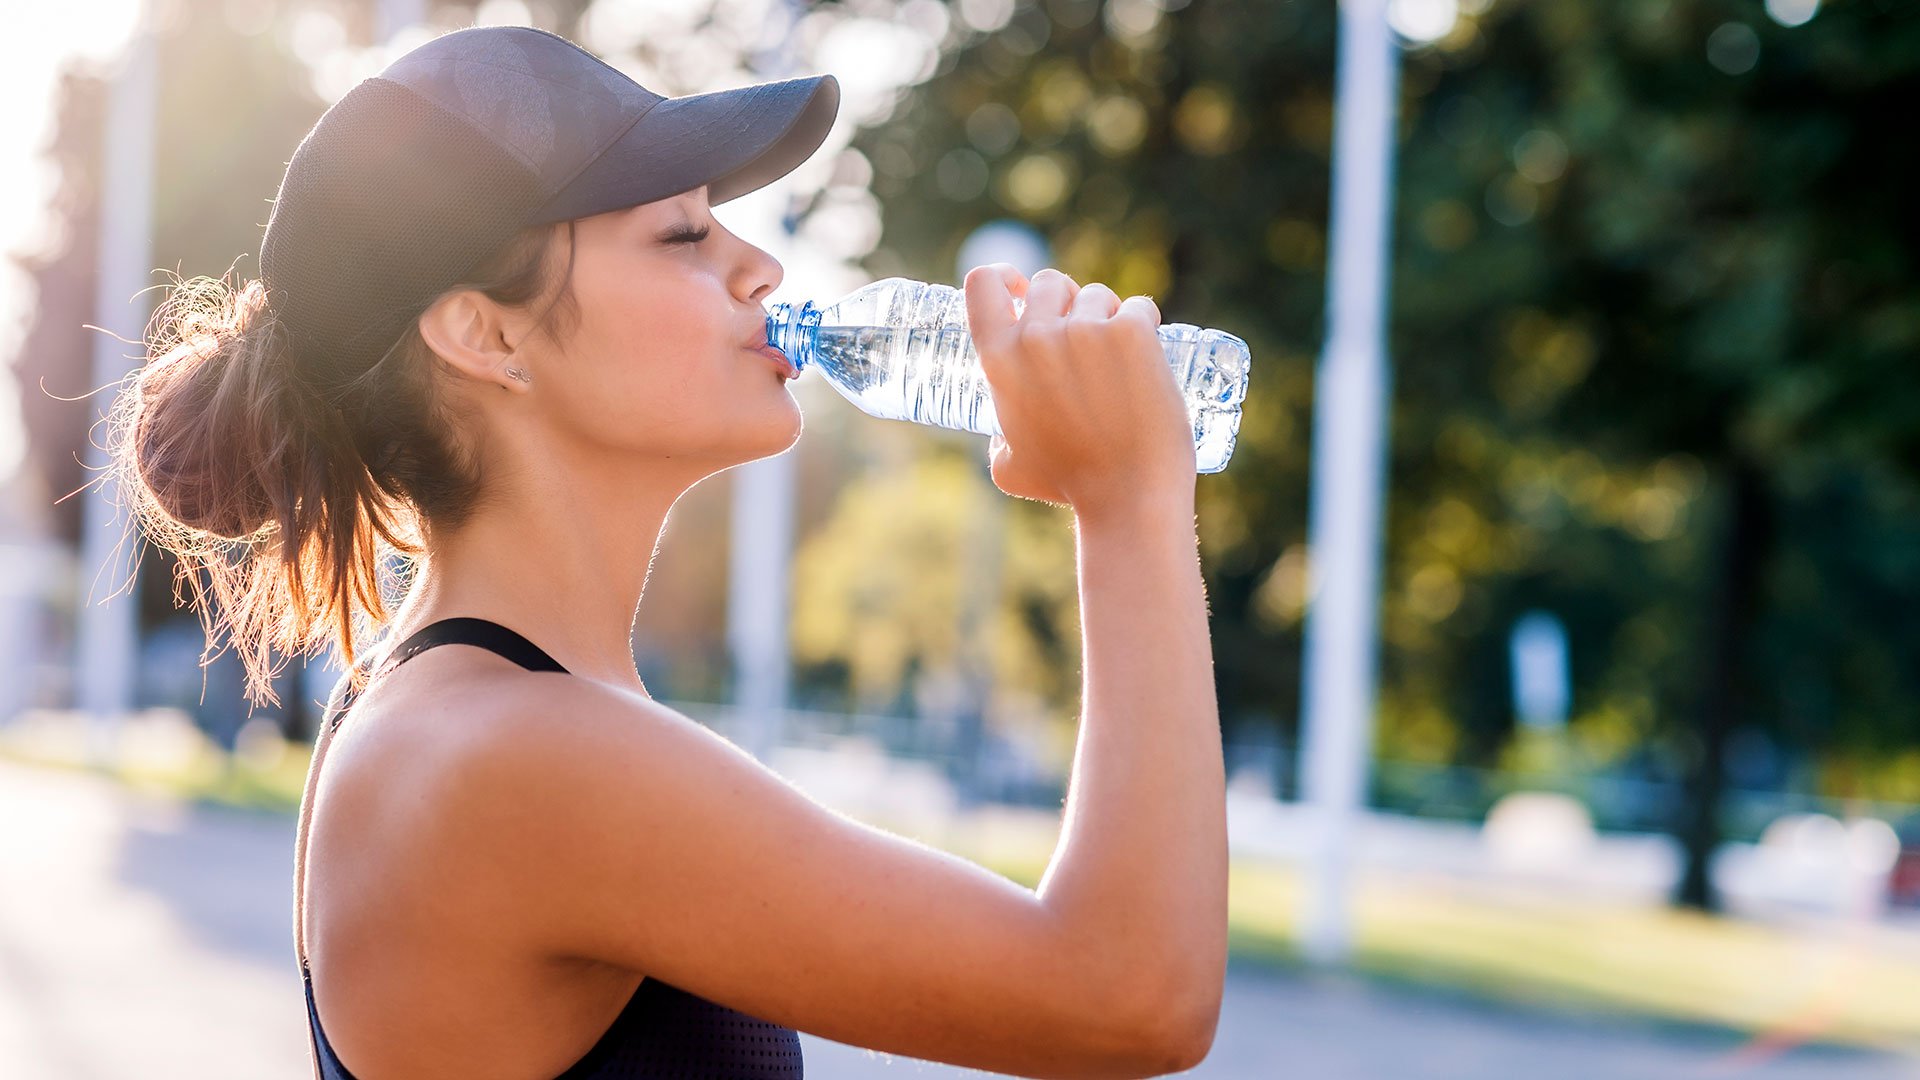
(1141, 869)
(599, 825)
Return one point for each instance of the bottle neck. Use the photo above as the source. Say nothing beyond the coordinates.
(793, 331)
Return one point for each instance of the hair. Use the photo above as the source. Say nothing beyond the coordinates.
(282, 502)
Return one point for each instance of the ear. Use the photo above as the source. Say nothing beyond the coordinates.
(471, 334)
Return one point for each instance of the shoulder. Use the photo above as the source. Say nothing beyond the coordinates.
(433, 743)
(456, 695)
(561, 797)
(461, 763)
(514, 715)
(522, 752)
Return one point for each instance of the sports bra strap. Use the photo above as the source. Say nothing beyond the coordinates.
(484, 633)
(460, 630)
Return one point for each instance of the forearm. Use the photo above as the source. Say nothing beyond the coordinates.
(1141, 868)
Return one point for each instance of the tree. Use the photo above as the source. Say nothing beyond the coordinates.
(1653, 330)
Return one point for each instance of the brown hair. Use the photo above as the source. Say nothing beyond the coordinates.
(275, 494)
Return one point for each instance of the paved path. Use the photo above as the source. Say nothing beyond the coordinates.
(139, 938)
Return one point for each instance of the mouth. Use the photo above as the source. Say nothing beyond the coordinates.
(778, 358)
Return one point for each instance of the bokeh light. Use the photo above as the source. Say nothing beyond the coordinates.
(1733, 48)
(1423, 22)
(1792, 12)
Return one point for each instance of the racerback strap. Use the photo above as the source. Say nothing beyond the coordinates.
(483, 633)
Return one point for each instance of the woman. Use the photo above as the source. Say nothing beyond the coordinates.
(499, 328)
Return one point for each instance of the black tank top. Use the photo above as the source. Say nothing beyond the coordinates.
(663, 1031)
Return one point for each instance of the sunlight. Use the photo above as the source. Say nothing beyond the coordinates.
(91, 30)
(1422, 22)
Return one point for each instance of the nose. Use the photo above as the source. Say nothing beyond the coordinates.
(760, 273)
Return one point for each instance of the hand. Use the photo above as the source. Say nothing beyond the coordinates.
(1081, 385)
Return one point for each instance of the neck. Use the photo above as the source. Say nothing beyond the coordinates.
(554, 559)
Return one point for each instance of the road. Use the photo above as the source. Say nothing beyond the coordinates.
(143, 938)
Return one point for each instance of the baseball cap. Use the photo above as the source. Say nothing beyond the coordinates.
(424, 170)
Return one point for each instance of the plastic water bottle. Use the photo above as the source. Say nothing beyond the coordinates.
(901, 350)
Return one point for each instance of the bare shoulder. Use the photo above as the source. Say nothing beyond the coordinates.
(616, 830)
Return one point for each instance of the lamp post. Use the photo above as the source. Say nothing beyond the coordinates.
(1349, 470)
(1019, 244)
(758, 577)
(107, 637)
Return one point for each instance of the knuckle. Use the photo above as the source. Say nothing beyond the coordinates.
(1087, 326)
(1050, 273)
(1045, 331)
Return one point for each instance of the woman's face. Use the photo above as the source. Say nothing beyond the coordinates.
(659, 363)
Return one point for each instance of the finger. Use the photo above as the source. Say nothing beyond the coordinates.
(990, 291)
(1050, 293)
(1142, 306)
(1095, 299)
(1009, 273)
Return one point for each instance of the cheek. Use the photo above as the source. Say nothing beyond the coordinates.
(632, 347)
(647, 372)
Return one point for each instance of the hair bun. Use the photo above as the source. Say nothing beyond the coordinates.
(280, 485)
(195, 450)
(206, 437)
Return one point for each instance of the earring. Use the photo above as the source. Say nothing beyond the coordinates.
(516, 373)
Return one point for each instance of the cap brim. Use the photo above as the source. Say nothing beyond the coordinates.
(735, 141)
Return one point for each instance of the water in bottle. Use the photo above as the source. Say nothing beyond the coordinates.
(901, 350)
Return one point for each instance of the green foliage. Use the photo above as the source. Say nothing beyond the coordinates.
(1623, 267)
(901, 579)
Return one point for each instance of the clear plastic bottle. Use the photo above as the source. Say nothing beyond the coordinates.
(901, 350)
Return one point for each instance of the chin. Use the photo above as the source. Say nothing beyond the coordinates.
(774, 432)
(790, 433)
(785, 442)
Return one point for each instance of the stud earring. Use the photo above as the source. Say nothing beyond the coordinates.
(516, 373)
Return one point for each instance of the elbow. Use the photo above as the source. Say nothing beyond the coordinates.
(1158, 1014)
(1178, 1028)
(1189, 1043)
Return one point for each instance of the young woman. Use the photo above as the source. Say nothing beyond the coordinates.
(499, 328)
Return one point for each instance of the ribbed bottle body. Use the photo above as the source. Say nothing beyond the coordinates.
(901, 350)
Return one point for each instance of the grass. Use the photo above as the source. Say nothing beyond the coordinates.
(1492, 940)
(170, 759)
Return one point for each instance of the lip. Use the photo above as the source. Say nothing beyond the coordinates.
(779, 359)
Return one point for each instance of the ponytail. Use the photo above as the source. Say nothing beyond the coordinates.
(276, 482)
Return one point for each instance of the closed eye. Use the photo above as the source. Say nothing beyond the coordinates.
(687, 236)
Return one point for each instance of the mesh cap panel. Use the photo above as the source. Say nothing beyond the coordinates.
(383, 206)
(557, 108)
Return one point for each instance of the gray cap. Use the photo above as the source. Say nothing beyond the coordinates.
(424, 170)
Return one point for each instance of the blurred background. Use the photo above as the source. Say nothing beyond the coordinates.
(1628, 783)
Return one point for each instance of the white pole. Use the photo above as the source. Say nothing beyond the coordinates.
(757, 598)
(1015, 242)
(24, 566)
(1349, 470)
(761, 549)
(107, 643)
